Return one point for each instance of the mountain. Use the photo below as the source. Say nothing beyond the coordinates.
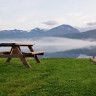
(61, 30)
(12, 33)
(66, 31)
(37, 32)
(91, 34)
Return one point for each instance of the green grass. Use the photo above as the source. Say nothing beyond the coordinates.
(51, 77)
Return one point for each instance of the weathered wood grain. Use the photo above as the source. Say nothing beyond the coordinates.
(15, 44)
(34, 53)
(93, 60)
(16, 52)
(35, 56)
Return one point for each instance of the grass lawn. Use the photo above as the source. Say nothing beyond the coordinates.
(51, 77)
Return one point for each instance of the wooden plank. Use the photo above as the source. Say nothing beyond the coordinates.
(8, 56)
(14, 56)
(15, 44)
(38, 53)
(34, 53)
(19, 48)
(22, 58)
(93, 59)
(17, 53)
(5, 52)
(11, 51)
(23, 44)
(35, 56)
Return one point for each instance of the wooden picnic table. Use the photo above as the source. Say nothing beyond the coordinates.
(16, 52)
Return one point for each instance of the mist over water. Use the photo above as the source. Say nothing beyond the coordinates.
(51, 44)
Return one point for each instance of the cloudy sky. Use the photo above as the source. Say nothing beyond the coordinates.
(28, 14)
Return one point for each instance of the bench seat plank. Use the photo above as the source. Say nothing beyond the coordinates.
(38, 53)
(8, 56)
(5, 52)
(34, 53)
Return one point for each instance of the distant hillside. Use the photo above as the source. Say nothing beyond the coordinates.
(74, 53)
(91, 34)
(66, 31)
(61, 30)
(12, 34)
(37, 32)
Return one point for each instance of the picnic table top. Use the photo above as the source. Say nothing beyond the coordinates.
(15, 44)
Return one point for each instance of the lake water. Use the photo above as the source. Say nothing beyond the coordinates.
(57, 47)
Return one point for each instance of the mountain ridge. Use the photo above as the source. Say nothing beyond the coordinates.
(66, 31)
(59, 30)
(91, 34)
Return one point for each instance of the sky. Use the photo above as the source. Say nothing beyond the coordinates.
(46, 14)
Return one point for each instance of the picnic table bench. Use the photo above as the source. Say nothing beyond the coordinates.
(16, 52)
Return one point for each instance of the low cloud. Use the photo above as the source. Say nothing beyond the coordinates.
(51, 23)
(88, 26)
(53, 44)
(91, 23)
(85, 28)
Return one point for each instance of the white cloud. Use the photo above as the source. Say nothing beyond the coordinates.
(91, 23)
(87, 26)
(51, 23)
(30, 13)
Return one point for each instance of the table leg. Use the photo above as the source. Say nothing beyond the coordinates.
(22, 58)
(19, 48)
(35, 56)
(8, 60)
